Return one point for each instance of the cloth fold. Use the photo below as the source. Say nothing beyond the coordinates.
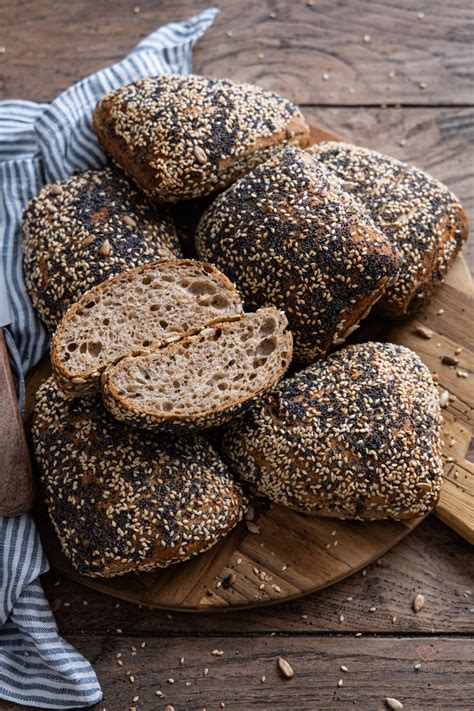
(39, 144)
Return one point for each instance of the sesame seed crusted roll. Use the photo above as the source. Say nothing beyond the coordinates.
(122, 501)
(80, 232)
(182, 137)
(355, 436)
(419, 215)
(287, 235)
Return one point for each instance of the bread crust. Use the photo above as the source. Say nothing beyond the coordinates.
(181, 137)
(419, 215)
(78, 233)
(121, 501)
(355, 436)
(288, 235)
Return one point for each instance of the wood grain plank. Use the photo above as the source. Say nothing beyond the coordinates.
(377, 668)
(431, 560)
(48, 47)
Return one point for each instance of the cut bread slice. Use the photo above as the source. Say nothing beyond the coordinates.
(135, 313)
(204, 379)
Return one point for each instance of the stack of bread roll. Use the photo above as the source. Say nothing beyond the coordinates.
(295, 246)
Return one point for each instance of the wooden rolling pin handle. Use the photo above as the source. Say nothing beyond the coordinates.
(16, 479)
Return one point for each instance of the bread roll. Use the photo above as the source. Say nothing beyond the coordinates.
(287, 235)
(125, 502)
(423, 220)
(138, 312)
(202, 380)
(355, 436)
(80, 232)
(182, 137)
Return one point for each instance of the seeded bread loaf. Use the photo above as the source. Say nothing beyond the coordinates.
(181, 137)
(84, 230)
(287, 235)
(202, 380)
(138, 312)
(122, 501)
(355, 436)
(419, 215)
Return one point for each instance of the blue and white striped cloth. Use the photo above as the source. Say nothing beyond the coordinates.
(41, 143)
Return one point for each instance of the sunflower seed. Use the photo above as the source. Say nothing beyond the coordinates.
(87, 241)
(444, 398)
(285, 668)
(424, 332)
(418, 602)
(252, 527)
(201, 156)
(393, 704)
(105, 249)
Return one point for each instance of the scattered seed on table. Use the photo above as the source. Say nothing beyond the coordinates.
(341, 618)
(229, 33)
(418, 602)
(393, 704)
(372, 609)
(449, 360)
(444, 398)
(344, 668)
(252, 527)
(285, 668)
(458, 350)
(325, 76)
(366, 38)
(263, 679)
(424, 332)
(423, 85)
(340, 682)
(217, 652)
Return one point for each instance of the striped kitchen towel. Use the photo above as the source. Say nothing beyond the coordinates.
(40, 143)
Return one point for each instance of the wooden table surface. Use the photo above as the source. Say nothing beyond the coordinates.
(400, 80)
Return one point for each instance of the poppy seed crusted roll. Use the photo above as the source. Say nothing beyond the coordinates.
(80, 232)
(288, 236)
(419, 215)
(121, 501)
(355, 436)
(182, 137)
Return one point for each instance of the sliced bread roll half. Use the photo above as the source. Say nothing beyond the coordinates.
(135, 313)
(181, 137)
(204, 379)
(354, 436)
(122, 501)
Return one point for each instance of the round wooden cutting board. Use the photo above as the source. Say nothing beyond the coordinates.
(289, 554)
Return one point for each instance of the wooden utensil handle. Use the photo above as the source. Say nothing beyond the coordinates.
(16, 480)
